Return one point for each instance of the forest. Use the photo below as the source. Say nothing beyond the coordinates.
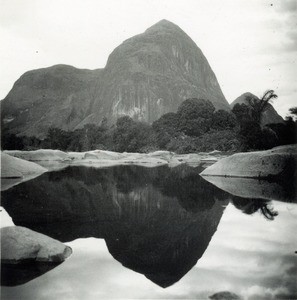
(195, 127)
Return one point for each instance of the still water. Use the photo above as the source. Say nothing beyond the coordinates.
(152, 233)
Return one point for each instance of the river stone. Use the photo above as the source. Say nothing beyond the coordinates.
(277, 162)
(19, 245)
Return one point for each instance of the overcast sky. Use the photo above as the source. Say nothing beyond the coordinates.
(251, 45)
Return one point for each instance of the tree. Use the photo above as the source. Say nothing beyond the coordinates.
(242, 113)
(56, 138)
(195, 116)
(131, 136)
(258, 106)
(166, 128)
(249, 115)
(11, 142)
(293, 112)
(223, 120)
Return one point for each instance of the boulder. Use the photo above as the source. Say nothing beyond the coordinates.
(22, 245)
(274, 163)
(15, 170)
(12, 167)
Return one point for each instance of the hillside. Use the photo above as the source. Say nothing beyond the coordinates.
(146, 76)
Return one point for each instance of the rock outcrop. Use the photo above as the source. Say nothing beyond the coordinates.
(15, 170)
(270, 115)
(278, 162)
(269, 174)
(21, 245)
(26, 254)
(146, 76)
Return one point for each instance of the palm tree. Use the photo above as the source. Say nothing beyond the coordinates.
(258, 106)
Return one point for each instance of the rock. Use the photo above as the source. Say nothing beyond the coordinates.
(40, 155)
(15, 170)
(145, 77)
(277, 162)
(90, 156)
(21, 245)
(12, 167)
(215, 152)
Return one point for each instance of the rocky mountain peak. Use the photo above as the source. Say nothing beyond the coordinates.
(145, 77)
(164, 25)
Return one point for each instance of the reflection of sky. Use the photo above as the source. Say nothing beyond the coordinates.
(248, 255)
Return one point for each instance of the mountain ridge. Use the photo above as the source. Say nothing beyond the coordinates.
(146, 76)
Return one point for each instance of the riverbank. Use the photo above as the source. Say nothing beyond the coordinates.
(54, 158)
(19, 166)
(279, 162)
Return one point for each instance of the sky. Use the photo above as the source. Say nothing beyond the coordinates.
(251, 45)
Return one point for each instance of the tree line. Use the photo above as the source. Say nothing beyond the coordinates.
(196, 126)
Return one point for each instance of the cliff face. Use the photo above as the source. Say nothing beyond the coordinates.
(146, 76)
(269, 116)
(152, 73)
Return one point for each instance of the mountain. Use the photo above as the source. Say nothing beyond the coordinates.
(269, 116)
(146, 76)
(59, 96)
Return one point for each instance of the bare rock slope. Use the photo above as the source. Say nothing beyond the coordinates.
(146, 76)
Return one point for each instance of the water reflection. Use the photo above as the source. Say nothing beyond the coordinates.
(12, 275)
(157, 221)
(250, 206)
(281, 189)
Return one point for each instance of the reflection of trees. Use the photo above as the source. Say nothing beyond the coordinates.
(250, 206)
(182, 182)
(192, 191)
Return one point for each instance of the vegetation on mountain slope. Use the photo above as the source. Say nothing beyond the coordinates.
(196, 126)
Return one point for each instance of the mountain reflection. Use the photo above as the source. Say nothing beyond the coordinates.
(157, 221)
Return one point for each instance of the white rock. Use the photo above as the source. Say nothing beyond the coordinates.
(257, 164)
(20, 244)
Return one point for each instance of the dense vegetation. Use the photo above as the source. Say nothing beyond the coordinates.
(252, 134)
(196, 126)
